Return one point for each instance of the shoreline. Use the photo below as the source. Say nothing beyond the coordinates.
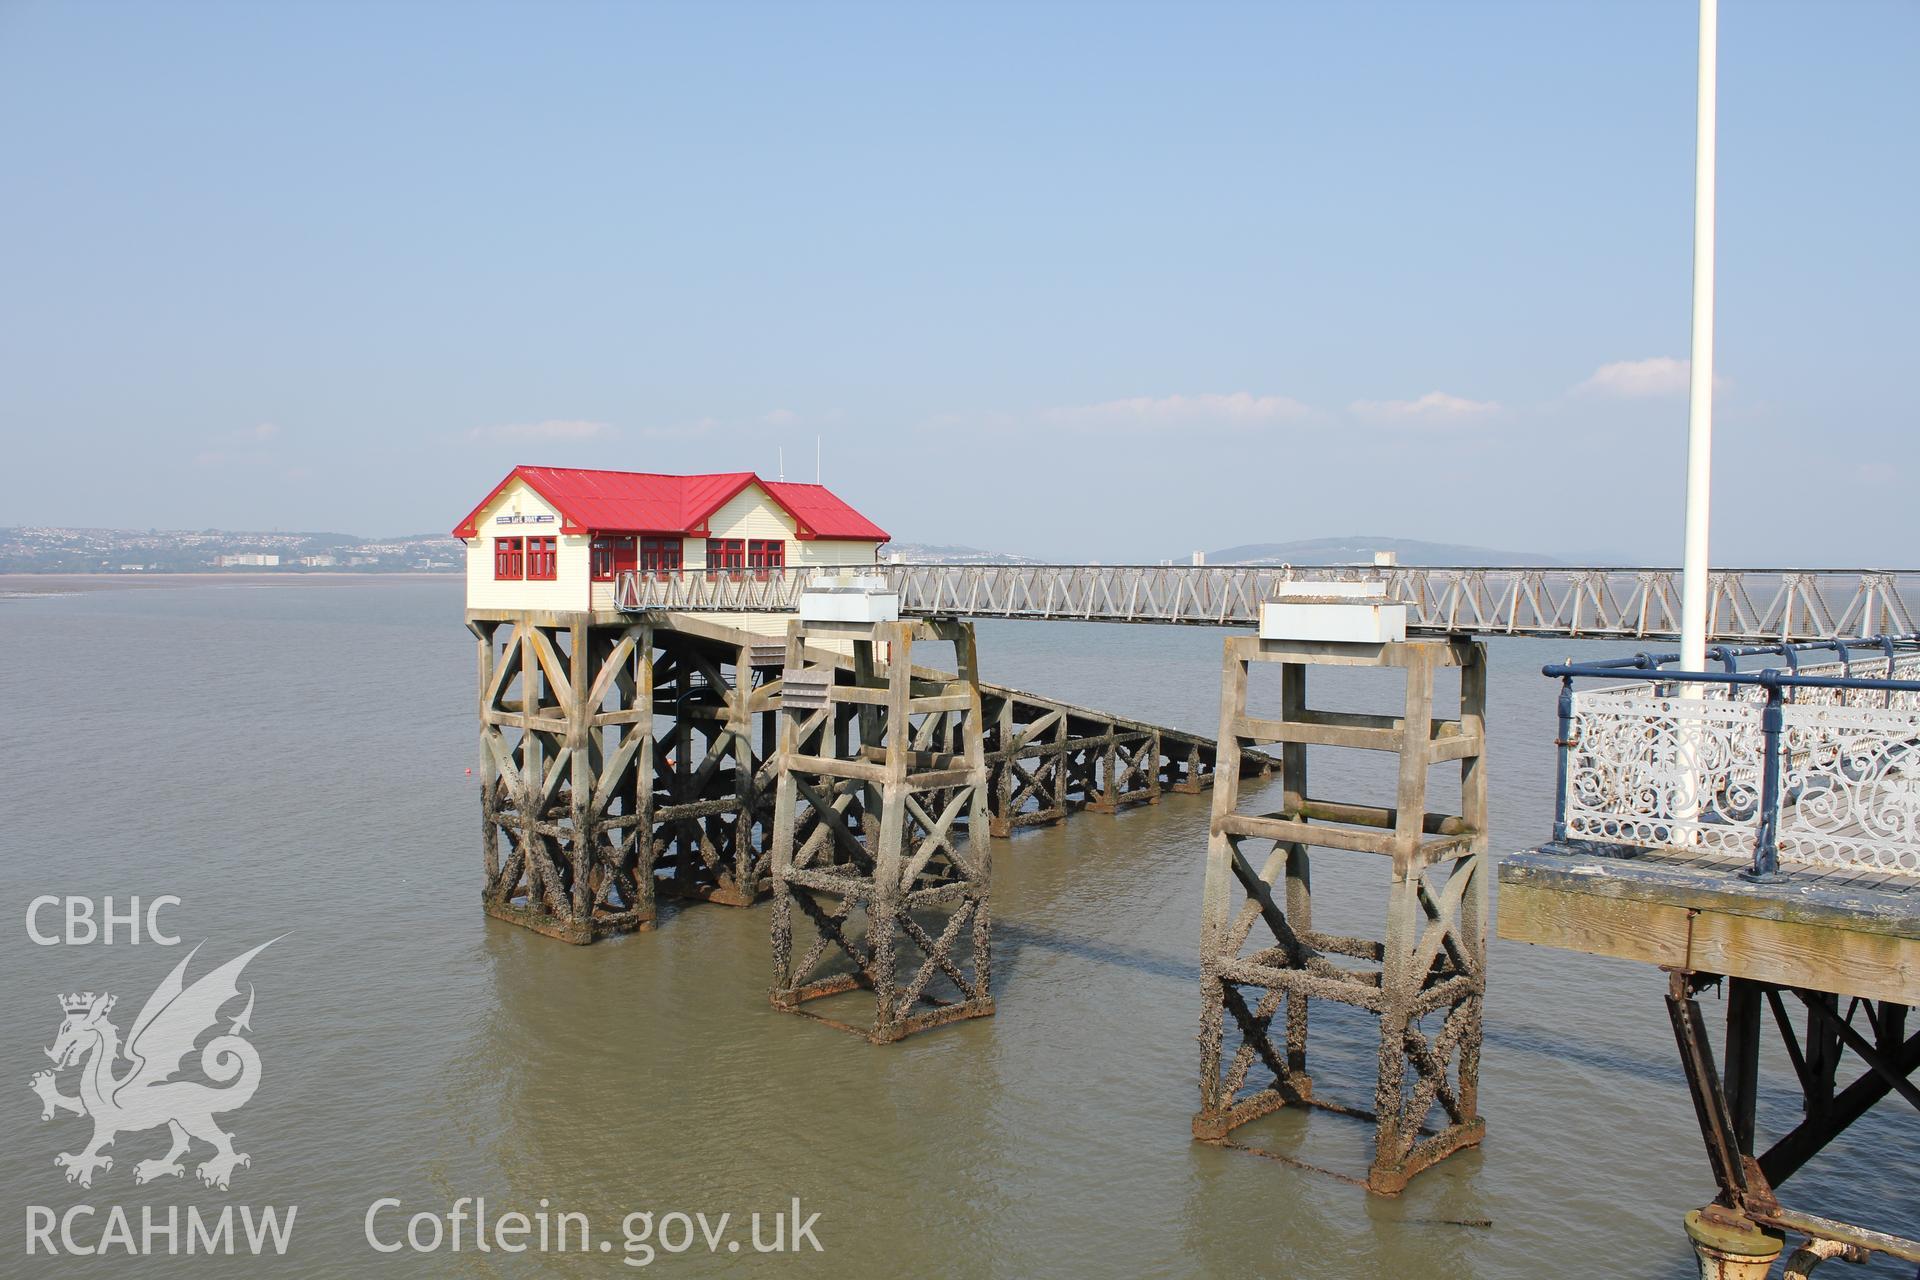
(16, 585)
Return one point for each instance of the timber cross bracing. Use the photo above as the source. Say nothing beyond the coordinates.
(1263, 962)
(880, 830)
(1745, 605)
(621, 758)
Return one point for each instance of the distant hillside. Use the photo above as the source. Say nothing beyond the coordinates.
(932, 553)
(1359, 549)
(50, 549)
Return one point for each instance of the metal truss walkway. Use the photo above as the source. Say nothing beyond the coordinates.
(1746, 606)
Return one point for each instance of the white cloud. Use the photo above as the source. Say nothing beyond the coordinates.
(779, 418)
(1432, 408)
(552, 431)
(1150, 413)
(1639, 379)
(261, 432)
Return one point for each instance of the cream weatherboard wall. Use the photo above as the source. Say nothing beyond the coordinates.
(752, 513)
(518, 512)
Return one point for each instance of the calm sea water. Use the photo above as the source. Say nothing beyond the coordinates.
(289, 759)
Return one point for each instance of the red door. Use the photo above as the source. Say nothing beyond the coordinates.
(610, 556)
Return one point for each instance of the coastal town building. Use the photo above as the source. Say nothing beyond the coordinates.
(557, 538)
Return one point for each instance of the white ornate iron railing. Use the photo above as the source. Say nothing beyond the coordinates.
(1813, 765)
(1747, 606)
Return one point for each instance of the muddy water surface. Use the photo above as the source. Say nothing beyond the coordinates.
(289, 759)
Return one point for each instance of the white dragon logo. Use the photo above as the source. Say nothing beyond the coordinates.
(146, 1096)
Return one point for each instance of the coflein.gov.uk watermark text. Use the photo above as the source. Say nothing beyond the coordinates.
(468, 1225)
(644, 1235)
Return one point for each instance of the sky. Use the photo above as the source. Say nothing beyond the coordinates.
(1077, 281)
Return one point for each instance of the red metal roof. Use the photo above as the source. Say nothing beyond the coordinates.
(821, 514)
(645, 502)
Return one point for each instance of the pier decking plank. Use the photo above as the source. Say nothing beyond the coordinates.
(1825, 929)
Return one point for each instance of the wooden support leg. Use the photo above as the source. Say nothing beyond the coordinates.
(783, 827)
(489, 765)
(638, 787)
(883, 913)
(1104, 775)
(900, 850)
(1217, 947)
(1300, 913)
(1001, 779)
(1474, 909)
(738, 878)
(1399, 984)
(580, 780)
(785, 814)
(1427, 989)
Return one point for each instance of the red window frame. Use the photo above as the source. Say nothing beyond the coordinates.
(543, 559)
(610, 556)
(661, 556)
(726, 554)
(765, 555)
(509, 559)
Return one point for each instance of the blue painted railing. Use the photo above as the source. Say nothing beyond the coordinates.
(1778, 683)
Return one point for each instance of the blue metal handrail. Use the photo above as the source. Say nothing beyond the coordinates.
(1728, 655)
(1778, 684)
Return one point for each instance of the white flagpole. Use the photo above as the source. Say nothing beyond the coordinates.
(1694, 564)
(1693, 574)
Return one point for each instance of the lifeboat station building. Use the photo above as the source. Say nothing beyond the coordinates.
(556, 538)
